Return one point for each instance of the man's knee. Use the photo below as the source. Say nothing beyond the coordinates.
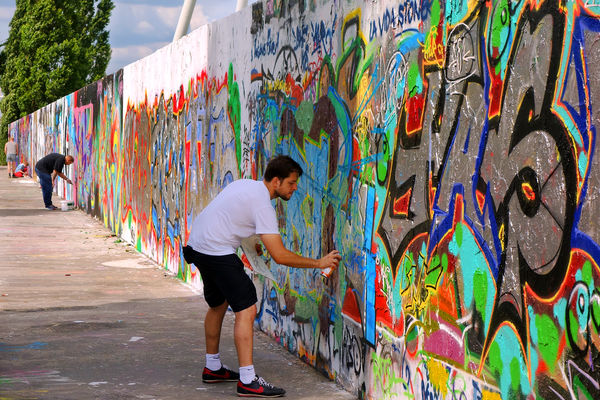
(247, 313)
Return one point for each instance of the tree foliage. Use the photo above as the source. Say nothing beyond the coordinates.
(54, 47)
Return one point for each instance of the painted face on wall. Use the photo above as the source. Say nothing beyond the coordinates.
(284, 189)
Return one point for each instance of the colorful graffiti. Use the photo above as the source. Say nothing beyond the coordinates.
(449, 150)
(86, 123)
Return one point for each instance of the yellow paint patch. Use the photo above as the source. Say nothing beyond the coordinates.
(363, 92)
(303, 353)
(487, 395)
(438, 375)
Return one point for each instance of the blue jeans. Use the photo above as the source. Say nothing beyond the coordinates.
(46, 182)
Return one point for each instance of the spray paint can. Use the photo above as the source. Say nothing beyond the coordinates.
(326, 272)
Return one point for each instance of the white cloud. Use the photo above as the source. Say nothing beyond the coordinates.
(144, 27)
(169, 15)
(160, 15)
(135, 51)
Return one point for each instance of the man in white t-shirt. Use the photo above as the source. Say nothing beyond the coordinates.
(241, 210)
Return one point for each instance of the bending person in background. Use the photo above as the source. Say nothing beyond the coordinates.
(47, 169)
(21, 170)
(241, 210)
(10, 149)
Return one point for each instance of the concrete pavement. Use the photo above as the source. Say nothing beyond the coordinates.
(84, 316)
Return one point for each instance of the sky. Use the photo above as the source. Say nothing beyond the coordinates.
(140, 27)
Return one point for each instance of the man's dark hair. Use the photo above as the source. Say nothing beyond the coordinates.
(281, 167)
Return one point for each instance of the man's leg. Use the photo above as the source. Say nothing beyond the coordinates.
(214, 370)
(212, 327)
(243, 334)
(46, 183)
(250, 384)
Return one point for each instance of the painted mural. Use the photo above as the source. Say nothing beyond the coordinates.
(450, 155)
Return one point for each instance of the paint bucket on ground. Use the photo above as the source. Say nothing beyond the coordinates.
(66, 205)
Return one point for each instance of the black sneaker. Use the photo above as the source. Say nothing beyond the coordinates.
(258, 388)
(51, 207)
(222, 375)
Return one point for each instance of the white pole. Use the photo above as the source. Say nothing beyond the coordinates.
(241, 4)
(184, 19)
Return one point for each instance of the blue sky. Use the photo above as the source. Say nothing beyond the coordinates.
(140, 27)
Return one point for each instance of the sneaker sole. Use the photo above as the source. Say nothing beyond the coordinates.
(260, 395)
(218, 380)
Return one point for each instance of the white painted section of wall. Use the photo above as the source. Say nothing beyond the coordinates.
(167, 69)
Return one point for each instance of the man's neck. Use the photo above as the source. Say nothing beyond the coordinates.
(270, 188)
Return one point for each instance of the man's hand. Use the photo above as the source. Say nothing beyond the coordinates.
(281, 255)
(70, 182)
(331, 260)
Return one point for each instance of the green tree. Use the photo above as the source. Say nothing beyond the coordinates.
(54, 47)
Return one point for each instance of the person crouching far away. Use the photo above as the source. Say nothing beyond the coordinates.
(242, 209)
(47, 169)
(21, 170)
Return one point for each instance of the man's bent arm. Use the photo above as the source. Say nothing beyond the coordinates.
(55, 172)
(283, 256)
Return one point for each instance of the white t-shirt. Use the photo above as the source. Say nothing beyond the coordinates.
(241, 210)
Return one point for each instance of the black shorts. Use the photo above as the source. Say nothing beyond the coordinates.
(224, 279)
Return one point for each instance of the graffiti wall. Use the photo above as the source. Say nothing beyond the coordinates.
(449, 154)
(86, 124)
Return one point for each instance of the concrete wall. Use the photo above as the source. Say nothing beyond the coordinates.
(450, 155)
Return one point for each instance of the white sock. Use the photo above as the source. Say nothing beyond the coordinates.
(213, 362)
(247, 374)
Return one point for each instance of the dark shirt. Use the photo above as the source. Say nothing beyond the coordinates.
(52, 162)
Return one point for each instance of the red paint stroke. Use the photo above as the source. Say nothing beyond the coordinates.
(188, 147)
(432, 192)
(294, 90)
(383, 314)
(350, 306)
(528, 191)
(414, 113)
(495, 95)
(373, 243)
(402, 203)
(480, 197)
(459, 210)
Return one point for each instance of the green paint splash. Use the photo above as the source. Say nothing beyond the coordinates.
(234, 111)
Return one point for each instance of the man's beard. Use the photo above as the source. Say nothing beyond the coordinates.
(282, 197)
